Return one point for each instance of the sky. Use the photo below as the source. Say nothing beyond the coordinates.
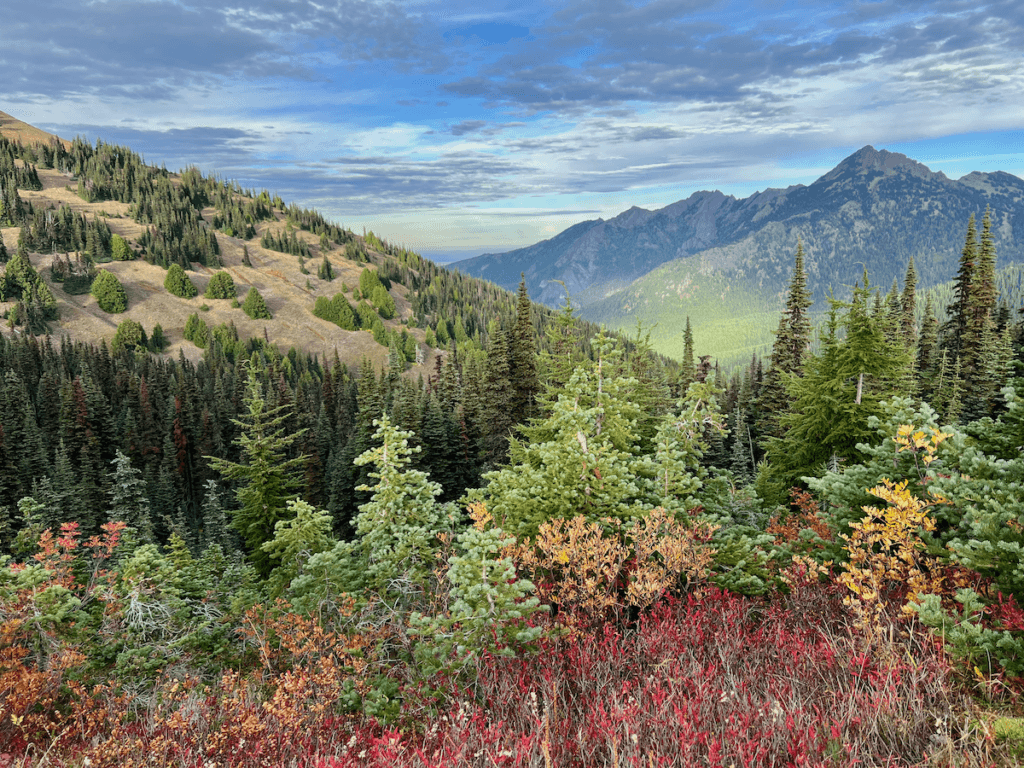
(460, 127)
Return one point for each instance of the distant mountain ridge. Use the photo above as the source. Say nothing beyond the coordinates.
(876, 208)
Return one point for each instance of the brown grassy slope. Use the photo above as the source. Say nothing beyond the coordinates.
(289, 294)
(14, 129)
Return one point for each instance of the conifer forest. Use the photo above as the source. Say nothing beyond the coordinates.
(521, 540)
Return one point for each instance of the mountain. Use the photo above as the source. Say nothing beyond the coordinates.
(875, 208)
(69, 200)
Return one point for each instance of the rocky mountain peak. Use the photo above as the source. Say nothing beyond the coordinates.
(868, 159)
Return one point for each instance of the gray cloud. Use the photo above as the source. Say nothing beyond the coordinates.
(372, 184)
(143, 49)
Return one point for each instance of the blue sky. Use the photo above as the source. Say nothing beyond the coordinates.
(461, 127)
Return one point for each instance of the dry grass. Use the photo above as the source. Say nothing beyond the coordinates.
(288, 292)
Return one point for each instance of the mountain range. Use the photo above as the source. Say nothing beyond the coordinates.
(724, 260)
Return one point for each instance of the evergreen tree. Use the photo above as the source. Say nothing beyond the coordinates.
(264, 477)
(523, 360)
(221, 286)
(178, 283)
(688, 369)
(254, 305)
(959, 311)
(498, 394)
(120, 250)
(908, 308)
(128, 501)
(840, 390)
(398, 526)
(580, 460)
(792, 340)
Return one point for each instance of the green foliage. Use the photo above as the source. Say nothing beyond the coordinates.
(337, 311)
(120, 250)
(842, 388)
(128, 502)
(178, 284)
(325, 270)
(254, 305)
(130, 335)
(398, 526)
(265, 479)
(197, 331)
(966, 637)
(305, 532)
(580, 460)
(383, 301)
(221, 286)
(158, 342)
(488, 605)
(109, 293)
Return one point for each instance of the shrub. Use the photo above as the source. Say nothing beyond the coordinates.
(178, 284)
(197, 331)
(221, 287)
(384, 302)
(255, 307)
(109, 293)
(158, 342)
(130, 335)
(120, 250)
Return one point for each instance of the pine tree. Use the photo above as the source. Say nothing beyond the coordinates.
(265, 478)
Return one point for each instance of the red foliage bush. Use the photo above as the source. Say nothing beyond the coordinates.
(713, 681)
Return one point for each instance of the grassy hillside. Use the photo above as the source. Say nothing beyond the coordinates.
(730, 320)
(110, 187)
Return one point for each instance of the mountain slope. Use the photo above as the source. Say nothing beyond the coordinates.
(875, 208)
(60, 194)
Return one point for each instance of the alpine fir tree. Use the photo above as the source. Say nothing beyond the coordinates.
(523, 360)
(265, 479)
(792, 340)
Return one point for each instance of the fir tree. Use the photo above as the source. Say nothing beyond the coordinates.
(398, 526)
(523, 360)
(128, 501)
(792, 340)
(254, 305)
(265, 478)
(688, 368)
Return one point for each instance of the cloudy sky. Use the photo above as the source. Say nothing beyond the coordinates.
(463, 126)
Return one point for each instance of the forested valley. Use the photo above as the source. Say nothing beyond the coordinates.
(547, 546)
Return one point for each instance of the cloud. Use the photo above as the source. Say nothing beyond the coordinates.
(152, 49)
(207, 147)
(609, 53)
